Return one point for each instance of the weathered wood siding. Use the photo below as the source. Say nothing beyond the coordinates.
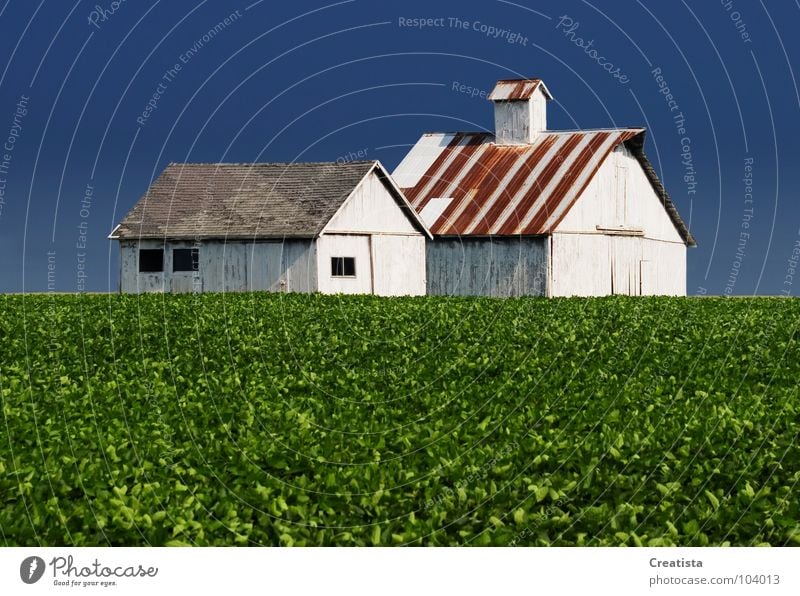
(399, 265)
(281, 266)
(602, 265)
(341, 245)
(388, 248)
(133, 282)
(487, 266)
(580, 265)
(371, 208)
(620, 195)
(370, 226)
(645, 257)
(663, 268)
(520, 121)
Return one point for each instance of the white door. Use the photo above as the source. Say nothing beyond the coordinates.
(648, 278)
(398, 264)
(626, 257)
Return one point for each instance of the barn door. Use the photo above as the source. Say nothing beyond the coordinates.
(647, 278)
(626, 257)
(234, 266)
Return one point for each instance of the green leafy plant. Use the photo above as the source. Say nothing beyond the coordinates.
(261, 419)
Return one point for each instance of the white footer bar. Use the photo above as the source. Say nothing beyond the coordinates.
(400, 571)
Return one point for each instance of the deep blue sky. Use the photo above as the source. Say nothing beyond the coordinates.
(315, 81)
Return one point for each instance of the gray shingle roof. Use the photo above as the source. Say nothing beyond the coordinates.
(259, 200)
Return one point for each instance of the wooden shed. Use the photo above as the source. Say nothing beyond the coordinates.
(529, 211)
(280, 227)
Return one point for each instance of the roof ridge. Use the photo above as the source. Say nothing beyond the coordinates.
(271, 163)
(544, 132)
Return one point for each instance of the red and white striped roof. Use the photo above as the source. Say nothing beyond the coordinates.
(517, 89)
(502, 189)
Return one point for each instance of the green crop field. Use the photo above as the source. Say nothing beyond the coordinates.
(257, 419)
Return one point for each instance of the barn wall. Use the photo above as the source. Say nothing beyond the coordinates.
(512, 122)
(580, 265)
(283, 266)
(371, 208)
(487, 266)
(181, 281)
(665, 273)
(133, 282)
(389, 250)
(519, 121)
(288, 266)
(601, 265)
(386, 264)
(278, 266)
(620, 195)
(399, 265)
(341, 245)
(127, 264)
(651, 260)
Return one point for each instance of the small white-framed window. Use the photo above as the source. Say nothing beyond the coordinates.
(343, 266)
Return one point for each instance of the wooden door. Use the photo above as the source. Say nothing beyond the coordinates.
(626, 257)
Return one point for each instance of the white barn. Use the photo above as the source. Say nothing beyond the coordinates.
(303, 227)
(528, 211)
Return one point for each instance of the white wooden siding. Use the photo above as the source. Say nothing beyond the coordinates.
(667, 267)
(625, 255)
(371, 208)
(512, 122)
(283, 266)
(398, 264)
(339, 245)
(181, 281)
(580, 265)
(519, 121)
(638, 208)
(587, 264)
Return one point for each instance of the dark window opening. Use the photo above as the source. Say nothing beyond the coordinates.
(151, 260)
(185, 259)
(343, 266)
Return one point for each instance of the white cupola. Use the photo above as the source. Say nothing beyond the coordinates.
(520, 110)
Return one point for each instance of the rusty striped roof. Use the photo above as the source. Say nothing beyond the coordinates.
(512, 189)
(517, 89)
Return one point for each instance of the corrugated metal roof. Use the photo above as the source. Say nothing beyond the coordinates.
(513, 189)
(517, 89)
(259, 200)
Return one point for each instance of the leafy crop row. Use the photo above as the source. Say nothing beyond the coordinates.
(312, 420)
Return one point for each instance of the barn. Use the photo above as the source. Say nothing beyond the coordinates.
(300, 227)
(529, 211)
